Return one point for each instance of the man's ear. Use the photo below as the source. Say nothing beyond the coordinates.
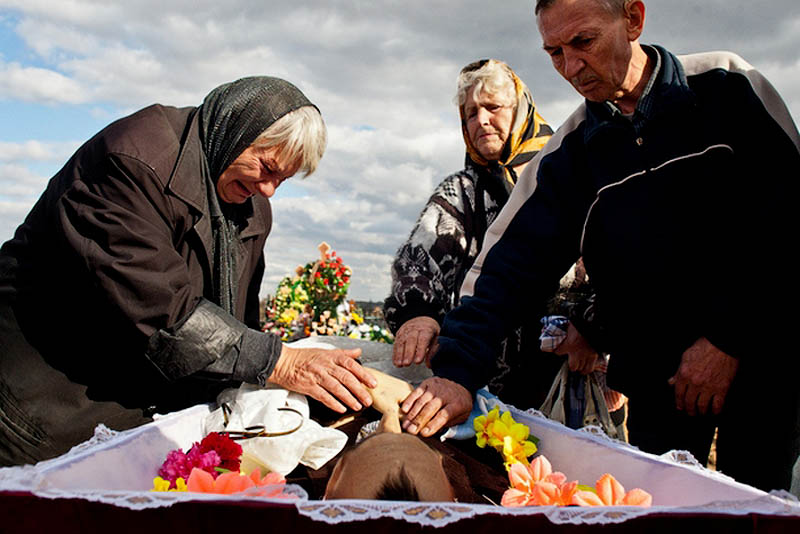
(634, 18)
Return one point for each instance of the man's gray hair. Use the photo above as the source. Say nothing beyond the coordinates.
(614, 7)
(301, 135)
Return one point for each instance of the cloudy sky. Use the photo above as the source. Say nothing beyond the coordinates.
(381, 71)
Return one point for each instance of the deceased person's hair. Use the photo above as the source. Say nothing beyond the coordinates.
(390, 466)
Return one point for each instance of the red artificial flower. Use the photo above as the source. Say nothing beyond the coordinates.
(230, 452)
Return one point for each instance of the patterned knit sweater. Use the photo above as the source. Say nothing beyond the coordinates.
(431, 265)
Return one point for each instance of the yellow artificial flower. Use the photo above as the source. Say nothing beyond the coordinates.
(356, 317)
(506, 426)
(159, 484)
(499, 431)
(505, 435)
(517, 451)
(483, 426)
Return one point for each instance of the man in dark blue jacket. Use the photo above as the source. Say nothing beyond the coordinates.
(675, 181)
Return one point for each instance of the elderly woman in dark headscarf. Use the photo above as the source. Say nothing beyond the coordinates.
(132, 286)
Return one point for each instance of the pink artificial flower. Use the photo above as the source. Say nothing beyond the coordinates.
(179, 464)
(611, 493)
(207, 461)
(214, 451)
(174, 467)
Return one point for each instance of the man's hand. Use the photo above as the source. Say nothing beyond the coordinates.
(325, 375)
(581, 356)
(415, 341)
(436, 403)
(703, 378)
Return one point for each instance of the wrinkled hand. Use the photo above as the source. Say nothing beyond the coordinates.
(581, 357)
(415, 341)
(326, 375)
(703, 378)
(436, 403)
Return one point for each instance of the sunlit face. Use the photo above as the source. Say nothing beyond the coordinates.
(589, 47)
(489, 119)
(361, 472)
(257, 171)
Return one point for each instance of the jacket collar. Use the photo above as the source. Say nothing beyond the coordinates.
(667, 89)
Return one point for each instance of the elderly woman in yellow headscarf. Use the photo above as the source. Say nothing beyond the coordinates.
(502, 131)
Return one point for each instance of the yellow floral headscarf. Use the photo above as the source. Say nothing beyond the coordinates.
(529, 131)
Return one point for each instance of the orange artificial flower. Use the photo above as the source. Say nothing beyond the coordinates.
(611, 493)
(273, 484)
(225, 484)
(233, 482)
(537, 484)
(552, 494)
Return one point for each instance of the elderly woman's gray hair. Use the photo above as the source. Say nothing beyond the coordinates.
(301, 136)
(615, 7)
(488, 75)
(495, 78)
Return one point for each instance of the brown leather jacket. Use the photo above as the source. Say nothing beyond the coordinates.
(109, 282)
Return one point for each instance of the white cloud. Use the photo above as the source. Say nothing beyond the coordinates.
(17, 181)
(34, 84)
(382, 73)
(19, 189)
(36, 151)
(786, 79)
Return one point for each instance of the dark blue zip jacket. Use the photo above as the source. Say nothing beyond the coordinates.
(682, 213)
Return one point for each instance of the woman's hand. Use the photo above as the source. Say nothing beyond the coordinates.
(326, 375)
(581, 357)
(436, 403)
(415, 341)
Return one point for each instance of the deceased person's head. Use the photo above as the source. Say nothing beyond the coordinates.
(390, 466)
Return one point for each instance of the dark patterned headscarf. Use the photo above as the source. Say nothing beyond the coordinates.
(232, 116)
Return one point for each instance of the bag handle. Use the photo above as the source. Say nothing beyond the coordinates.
(256, 431)
(553, 405)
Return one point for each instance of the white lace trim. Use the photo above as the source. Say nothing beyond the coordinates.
(441, 514)
(142, 500)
